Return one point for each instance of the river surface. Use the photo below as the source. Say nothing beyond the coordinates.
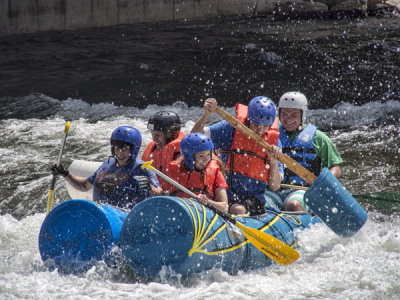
(359, 110)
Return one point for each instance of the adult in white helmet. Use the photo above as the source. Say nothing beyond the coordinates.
(304, 143)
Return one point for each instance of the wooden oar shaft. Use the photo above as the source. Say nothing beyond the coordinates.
(283, 158)
(295, 187)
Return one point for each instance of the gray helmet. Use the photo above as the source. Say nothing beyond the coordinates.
(166, 121)
(294, 100)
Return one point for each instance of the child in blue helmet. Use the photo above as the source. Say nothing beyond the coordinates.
(199, 171)
(250, 168)
(119, 181)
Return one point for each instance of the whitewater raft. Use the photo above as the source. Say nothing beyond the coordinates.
(168, 234)
(179, 235)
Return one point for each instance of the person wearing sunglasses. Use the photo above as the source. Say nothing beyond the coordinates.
(119, 181)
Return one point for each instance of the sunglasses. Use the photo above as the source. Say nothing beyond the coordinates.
(121, 145)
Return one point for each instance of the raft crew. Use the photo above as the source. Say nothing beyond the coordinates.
(119, 181)
(304, 143)
(199, 170)
(250, 168)
(165, 129)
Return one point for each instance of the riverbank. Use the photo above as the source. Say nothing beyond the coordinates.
(32, 16)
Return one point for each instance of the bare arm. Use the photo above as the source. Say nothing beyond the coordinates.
(79, 183)
(335, 170)
(220, 202)
(156, 191)
(210, 105)
(274, 177)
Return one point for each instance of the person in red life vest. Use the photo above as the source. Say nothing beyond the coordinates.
(250, 168)
(165, 129)
(199, 171)
(119, 181)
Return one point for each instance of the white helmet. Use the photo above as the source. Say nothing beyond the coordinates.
(294, 100)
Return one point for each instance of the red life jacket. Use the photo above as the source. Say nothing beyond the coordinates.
(246, 156)
(199, 182)
(160, 158)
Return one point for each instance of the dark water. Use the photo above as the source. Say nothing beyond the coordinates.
(351, 60)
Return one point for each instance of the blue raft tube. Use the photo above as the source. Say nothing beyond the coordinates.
(160, 233)
(181, 236)
(78, 233)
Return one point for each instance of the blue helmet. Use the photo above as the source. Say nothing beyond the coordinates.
(262, 111)
(128, 135)
(193, 143)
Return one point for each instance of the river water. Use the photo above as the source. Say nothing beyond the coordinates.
(367, 134)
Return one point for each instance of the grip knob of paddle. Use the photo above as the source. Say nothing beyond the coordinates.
(66, 129)
(147, 165)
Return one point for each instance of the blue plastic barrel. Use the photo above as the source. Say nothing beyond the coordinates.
(76, 233)
(334, 205)
(170, 235)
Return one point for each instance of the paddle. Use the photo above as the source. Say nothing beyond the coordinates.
(285, 159)
(326, 196)
(269, 245)
(387, 201)
(53, 182)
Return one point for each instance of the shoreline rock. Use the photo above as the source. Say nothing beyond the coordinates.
(336, 9)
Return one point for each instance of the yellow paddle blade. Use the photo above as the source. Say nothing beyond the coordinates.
(270, 246)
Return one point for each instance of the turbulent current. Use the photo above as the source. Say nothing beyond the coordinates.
(100, 79)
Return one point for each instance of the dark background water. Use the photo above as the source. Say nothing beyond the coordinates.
(351, 60)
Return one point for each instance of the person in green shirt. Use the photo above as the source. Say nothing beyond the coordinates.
(309, 146)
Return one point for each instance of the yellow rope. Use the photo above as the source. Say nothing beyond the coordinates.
(294, 217)
(200, 239)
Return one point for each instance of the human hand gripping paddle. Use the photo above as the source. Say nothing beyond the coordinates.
(326, 196)
(53, 182)
(269, 245)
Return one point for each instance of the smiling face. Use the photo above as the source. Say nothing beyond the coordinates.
(122, 153)
(201, 159)
(290, 118)
(159, 138)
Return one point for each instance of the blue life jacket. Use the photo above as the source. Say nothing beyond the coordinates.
(301, 150)
(118, 186)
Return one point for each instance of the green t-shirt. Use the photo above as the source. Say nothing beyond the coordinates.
(324, 148)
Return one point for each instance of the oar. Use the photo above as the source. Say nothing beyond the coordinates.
(53, 182)
(269, 245)
(292, 186)
(285, 159)
(326, 196)
(388, 201)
